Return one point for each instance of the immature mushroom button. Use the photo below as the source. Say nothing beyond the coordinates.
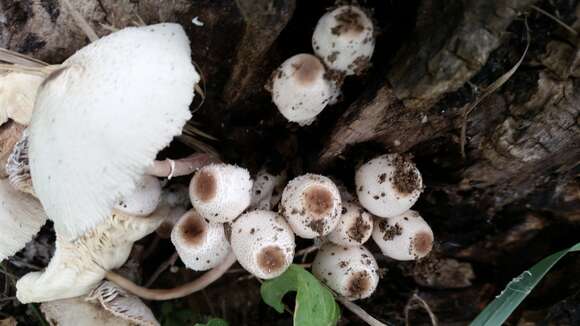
(350, 271)
(221, 192)
(354, 228)
(403, 237)
(263, 243)
(201, 245)
(344, 39)
(95, 133)
(300, 89)
(388, 185)
(311, 204)
(144, 199)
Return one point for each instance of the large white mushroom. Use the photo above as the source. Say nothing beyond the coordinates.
(300, 88)
(201, 245)
(311, 204)
(101, 118)
(404, 237)
(388, 185)
(352, 272)
(221, 192)
(344, 39)
(21, 217)
(263, 243)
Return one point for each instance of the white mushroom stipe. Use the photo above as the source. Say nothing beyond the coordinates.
(354, 228)
(17, 94)
(220, 192)
(403, 237)
(352, 272)
(201, 245)
(144, 199)
(95, 132)
(263, 243)
(311, 204)
(267, 190)
(388, 185)
(175, 168)
(300, 89)
(21, 217)
(344, 39)
(78, 266)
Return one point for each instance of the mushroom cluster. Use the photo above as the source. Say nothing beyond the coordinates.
(343, 43)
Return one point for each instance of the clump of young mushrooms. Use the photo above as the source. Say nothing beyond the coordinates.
(343, 42)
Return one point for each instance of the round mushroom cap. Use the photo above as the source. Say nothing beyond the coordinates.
(220, 192)
(311, 204)
(300, 89)
(144, 199)
(388, 185)
(101, 119)
(21, 217)
(352, 272)
(404, 237)
(263, 243)
(344, 39)
(200, 244)
(17, 94)
(354, 228)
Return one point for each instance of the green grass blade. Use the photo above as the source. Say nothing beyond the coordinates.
(517, 290)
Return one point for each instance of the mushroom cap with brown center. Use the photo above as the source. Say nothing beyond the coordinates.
(354, 228)
(352, 272)
(263, 243)
(311, 204)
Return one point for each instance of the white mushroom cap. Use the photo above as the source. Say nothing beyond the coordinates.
(79, 265)
(311, 204)
(221, 192)
(201, 245)
(144, 198)
(102, 118)
(17, 94)
(267, 190)
(352, 272)
(21, 217)
(77, 311)
(344, 39)
(404, 237)
(300, 89)
(388, 185)
(263, 243)
(354, 228)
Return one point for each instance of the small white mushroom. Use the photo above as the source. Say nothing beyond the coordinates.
(300, 89)
(311, 204)
(388, 185)
(144, 198)
(354, 228)
(344, 39)
(79, 265)
(404, 237)
(352, 272)
(221, 192)
(267, 190)
(21, 217)
(263, 243)
(201, 245)
(17, 94)
(95, 132)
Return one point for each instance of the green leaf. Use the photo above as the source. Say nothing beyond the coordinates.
(315, 305)
(214, 322)
(517, 289)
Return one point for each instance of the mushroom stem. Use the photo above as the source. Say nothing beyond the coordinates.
(174, 293)
(355, 309)
(175, 168)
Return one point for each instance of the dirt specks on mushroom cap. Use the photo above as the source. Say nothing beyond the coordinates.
(405, 179)
(358, 284)
(354, 228)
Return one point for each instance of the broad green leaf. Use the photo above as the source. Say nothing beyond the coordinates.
(315, 305)
(214, 322)
(517, 290)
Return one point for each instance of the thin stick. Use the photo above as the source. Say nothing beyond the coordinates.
(372, 321)
(81, 22)
(179, 292)
(490, 89)
(554, 18)
(20, 59)
(425, 306)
